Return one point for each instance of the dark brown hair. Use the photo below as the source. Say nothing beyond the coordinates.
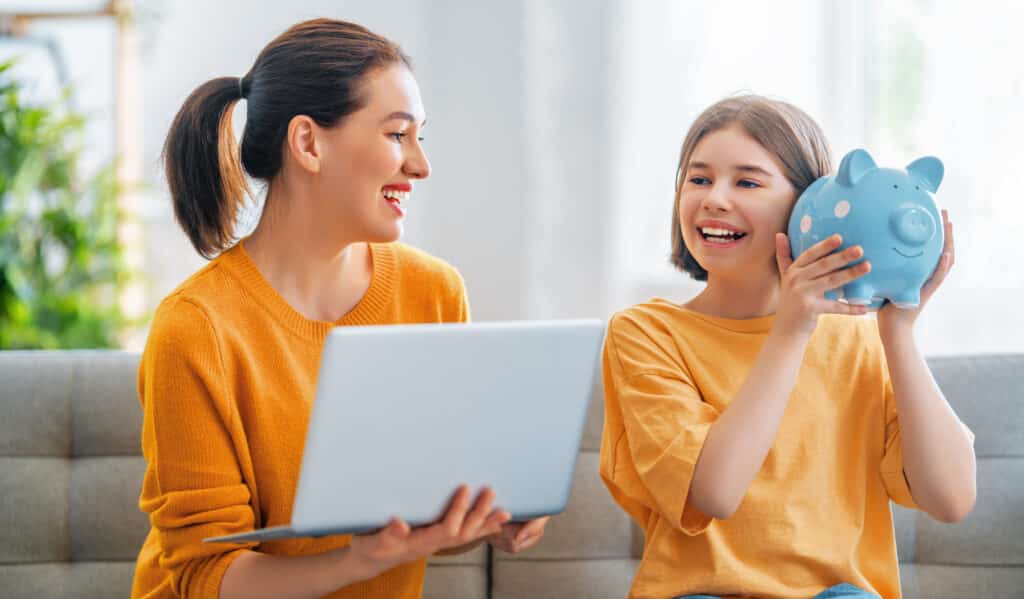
(787, 132)
(315, 68)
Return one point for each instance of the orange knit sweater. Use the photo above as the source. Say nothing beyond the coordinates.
(226, 382)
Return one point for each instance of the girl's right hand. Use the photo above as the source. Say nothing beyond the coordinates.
(805, 280)
(398, 543)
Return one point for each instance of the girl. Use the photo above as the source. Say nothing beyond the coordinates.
(758, 432)
(229, 368)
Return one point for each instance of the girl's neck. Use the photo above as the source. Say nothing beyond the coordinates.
(737, 298)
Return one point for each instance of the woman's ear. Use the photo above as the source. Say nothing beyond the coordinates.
(303, 143)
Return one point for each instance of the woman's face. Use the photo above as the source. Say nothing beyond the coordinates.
(733, 201)
(370, 160)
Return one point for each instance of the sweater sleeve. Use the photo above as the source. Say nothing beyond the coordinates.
(193, 486)
(655, 426)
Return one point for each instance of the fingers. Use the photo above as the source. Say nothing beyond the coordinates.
(531, 529)
(495, 522)
(834, 307)
(933, 282)
(946, 261)
(948, 247)
(481, 511)
(397, 528)
(818, 251)
(838, 278)
(783, 255)
(832, 262)
(456, 514)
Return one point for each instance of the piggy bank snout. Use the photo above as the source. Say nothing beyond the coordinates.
(912, 225)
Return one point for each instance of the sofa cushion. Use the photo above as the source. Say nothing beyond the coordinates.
(986, 392)
(105, 520)
(563, 579)
(932, 581)
(450, 581)
(105, 409)
(34, 513)
(35, 404)
(79, 580)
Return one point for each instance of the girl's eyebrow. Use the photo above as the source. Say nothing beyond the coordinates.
(751, 168)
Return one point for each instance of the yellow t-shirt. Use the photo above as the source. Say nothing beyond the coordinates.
(227, 380)
(817, 514)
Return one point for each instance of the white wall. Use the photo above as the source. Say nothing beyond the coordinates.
(554, 128)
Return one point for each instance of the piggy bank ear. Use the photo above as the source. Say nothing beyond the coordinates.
(929, 170)
(855, 165)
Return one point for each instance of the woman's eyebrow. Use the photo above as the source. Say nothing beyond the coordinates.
(402, 115)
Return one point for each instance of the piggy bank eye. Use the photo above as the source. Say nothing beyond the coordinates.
(895, 186)
(917, 187)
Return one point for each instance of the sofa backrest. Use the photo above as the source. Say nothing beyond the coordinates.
(70, 473)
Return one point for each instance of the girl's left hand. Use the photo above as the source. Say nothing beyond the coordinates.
(890, 317)
(519, 536)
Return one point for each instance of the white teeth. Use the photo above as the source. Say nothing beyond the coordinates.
(394, 194)
(719, 232)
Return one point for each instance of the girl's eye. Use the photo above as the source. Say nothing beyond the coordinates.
(398, 136)
(698, 180)
(747, 184)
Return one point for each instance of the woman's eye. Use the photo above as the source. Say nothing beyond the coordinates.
(698, 180)
(745, 183)
(398, 136)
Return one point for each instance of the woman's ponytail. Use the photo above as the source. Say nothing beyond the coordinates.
(203, 166)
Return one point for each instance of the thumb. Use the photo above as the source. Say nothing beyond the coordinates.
(397, 528)
(783, 256)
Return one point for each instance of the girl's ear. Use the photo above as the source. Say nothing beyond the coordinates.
(854, 166)
(929, 170)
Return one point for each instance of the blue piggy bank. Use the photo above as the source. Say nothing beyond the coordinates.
(888, 212)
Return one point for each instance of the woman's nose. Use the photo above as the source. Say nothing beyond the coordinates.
(416, 164)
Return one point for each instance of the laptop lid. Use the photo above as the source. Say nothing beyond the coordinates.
(405, 413)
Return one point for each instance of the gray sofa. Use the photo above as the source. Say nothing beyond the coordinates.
(70, 472)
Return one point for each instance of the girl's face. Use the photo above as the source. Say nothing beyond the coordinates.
(733, 201)
(372, 157)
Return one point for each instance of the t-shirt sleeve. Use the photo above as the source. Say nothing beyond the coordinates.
(655, 426)
(193, 487)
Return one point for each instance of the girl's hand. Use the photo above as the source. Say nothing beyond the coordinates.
(805, 281)
(397, 543)
(519, 536)
(890, 317)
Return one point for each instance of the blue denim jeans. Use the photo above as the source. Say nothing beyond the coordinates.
(840, 591)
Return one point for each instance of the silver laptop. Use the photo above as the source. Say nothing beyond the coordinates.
(406, 413)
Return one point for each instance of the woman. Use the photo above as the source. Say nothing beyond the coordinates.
(229, 369)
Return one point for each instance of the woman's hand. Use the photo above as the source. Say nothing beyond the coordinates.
(892, 318)
(805, 280)
(397, 543)
(519, 536)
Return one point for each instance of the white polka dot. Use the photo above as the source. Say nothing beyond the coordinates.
(805, 223)
(842, 209)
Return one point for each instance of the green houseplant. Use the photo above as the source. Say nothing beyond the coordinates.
(62, 269)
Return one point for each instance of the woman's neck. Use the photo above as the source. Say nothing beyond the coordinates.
(321, 277)
(738, 298)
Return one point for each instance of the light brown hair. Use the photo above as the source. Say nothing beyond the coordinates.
(787, 132)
